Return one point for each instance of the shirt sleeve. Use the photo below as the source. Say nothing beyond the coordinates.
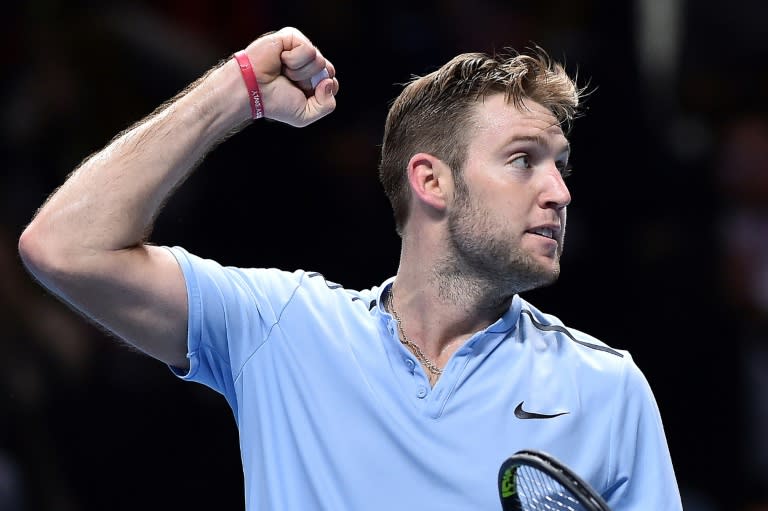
(231, 313)
(644, 477)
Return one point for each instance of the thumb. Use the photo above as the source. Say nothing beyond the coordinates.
(323, 102)
(326, 93)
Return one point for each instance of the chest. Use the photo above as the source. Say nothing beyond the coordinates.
(354, 402)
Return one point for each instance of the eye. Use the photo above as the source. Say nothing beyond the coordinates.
(565, 168)
(522, 162)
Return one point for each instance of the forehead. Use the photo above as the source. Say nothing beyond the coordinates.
(496, 119)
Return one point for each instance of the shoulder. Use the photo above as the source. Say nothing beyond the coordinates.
(549, 331)
(316, 284)
(269, 284)
(586, 356)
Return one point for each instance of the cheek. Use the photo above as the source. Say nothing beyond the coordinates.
(504, 224)
(512, 212)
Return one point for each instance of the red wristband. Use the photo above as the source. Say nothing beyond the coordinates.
(254, 94)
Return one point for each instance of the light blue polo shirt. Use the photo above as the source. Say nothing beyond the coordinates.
(335, 414)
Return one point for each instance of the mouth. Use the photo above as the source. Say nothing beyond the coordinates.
(550, 232)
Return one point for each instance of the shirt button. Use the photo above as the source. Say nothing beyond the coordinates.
(410, 363)
(421, 392)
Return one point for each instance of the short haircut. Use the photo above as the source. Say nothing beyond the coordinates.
(433, 112)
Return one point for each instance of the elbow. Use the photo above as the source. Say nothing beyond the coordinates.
(30, 249)
(37, 253)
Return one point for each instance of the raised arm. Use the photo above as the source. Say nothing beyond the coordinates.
(88, 243)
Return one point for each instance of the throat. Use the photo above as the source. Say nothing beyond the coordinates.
(432, 361)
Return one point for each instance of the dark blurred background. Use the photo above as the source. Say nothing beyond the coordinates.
(667, 253)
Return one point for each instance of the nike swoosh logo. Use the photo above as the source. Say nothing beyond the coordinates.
(522, 414)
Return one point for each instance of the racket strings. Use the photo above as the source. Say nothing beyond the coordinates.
(538, 491)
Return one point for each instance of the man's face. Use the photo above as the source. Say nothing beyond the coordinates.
(507, 220)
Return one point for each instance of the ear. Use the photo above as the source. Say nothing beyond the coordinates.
(431, 180)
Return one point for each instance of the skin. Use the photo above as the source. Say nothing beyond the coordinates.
(87, 244)
(482, 224)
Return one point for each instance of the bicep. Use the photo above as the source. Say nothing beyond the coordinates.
(139, 295)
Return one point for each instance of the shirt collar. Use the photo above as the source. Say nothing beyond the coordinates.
(505, 323)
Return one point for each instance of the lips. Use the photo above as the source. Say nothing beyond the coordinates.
(547, 231)
(543, 231)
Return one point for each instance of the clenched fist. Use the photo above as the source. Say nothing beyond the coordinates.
(285, 63)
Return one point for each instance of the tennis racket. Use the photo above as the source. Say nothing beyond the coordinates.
(532, 480)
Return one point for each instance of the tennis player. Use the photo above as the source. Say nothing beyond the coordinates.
(407, 395)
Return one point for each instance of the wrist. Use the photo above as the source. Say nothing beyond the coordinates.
(215, 105)
(251, 84)
(223, 93)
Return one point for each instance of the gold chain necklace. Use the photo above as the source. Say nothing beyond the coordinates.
(431, 367)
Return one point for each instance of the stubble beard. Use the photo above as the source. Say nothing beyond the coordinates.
(482, 265)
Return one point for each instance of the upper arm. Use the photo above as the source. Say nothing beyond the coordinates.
(643, 462)
(138, 294)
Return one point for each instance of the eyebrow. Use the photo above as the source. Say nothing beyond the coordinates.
(538, 140)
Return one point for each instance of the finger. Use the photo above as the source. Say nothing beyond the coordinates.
(291, 37)
(297, 50)
(331, 68)
(329, 71)
(328, 86)
(307, 70)
(316, 80)
(319, 77)
(308, 86)
(266, 52)
(323, 102)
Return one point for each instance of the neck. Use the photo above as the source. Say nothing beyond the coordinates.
(440, 306)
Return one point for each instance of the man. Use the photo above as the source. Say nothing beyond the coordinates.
(408, 395)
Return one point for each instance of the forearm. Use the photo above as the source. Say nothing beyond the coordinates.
(87, 244)
(109, 203)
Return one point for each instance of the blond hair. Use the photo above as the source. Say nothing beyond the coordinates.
(433, 112)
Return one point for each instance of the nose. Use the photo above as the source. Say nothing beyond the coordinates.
(554, 191)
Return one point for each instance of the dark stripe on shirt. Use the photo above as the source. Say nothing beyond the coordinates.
(563, 330)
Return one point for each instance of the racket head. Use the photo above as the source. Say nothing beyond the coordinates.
(533, 480)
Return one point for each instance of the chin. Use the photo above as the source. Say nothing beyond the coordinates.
(532, 276)
(549, 267)
(548, 278)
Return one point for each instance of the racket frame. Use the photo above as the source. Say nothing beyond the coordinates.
(563, 475)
